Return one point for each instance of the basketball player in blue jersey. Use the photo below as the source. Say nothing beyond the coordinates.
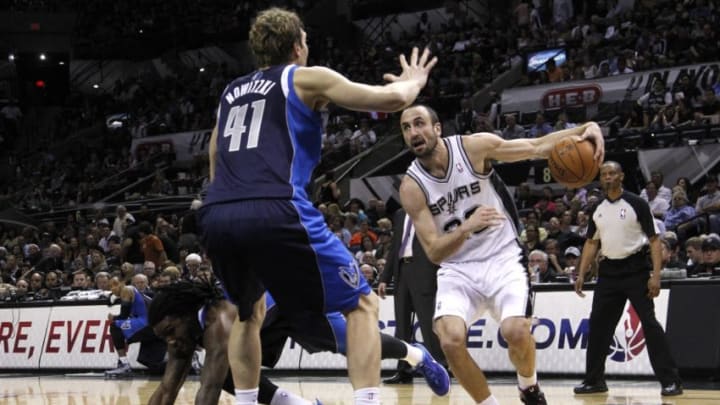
(187, 314)
(467, 223)
(130, 326)
(259, 226)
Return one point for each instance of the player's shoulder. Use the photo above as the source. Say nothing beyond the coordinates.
(479, 142)
(313, 69)
(409, 181)
(411, 190)
(479, 148)
(314, 74)
(481, 137)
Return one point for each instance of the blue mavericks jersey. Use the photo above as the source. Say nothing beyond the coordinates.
(139, 305)
(268, 141)
(138, 315)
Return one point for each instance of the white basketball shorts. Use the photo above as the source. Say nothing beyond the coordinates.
(498, 284)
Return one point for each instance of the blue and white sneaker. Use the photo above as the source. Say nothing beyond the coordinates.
(436, 376)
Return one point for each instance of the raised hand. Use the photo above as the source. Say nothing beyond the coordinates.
(417, 70)
(594, 134)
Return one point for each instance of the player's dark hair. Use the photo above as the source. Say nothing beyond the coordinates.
(273, 36)
(181, 299)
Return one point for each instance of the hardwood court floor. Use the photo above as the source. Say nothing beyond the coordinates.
(93, 389)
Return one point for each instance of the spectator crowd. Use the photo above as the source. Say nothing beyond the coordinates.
(148, 249)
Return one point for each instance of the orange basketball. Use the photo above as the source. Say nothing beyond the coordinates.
(571, 162)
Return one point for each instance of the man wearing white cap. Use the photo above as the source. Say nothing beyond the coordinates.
(572, 254)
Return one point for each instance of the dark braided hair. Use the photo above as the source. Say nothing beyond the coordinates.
(182, 298)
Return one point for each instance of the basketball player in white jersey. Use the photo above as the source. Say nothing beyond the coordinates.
(467, 223)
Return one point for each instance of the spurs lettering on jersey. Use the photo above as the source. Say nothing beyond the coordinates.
(448, 202)
(468, 190)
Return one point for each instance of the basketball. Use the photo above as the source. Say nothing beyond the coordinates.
(572, 164)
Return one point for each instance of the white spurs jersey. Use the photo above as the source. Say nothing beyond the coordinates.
(455, 197)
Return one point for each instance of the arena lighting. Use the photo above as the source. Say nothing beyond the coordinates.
(202, 69)
(61, 63)
(96, 86)
(40, 84)
(11, 57)
(42, 56)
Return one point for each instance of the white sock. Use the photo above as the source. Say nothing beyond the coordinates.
(491, 400)
(282, 397)
(414, 355)
(246, 397)
(124, 360)
(367, 396)
(525, 382)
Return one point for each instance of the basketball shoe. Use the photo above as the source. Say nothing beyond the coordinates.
(532, 395)
(122, 370)
(436, 376)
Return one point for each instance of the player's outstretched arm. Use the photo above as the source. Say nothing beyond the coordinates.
(176, 371)
(318, 86)
(213, 376)
(215, 340)
(440, 246)
(484, 146)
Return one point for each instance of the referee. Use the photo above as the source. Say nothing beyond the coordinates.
(623, 227)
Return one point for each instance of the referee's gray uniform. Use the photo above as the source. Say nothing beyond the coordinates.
(623, 227)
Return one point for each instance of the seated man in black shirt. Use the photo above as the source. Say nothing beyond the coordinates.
(539, 267)
(669, 258)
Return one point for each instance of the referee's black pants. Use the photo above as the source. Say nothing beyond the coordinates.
(607, 308)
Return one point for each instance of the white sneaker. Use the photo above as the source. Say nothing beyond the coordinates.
(122, 370)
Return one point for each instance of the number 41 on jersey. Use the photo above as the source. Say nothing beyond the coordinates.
(235, 125)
